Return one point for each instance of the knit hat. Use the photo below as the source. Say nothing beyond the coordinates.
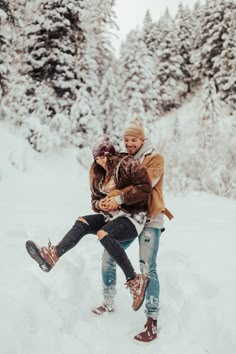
(103, 147)
(135, 128)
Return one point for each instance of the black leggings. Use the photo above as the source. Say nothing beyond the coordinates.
(119, 229)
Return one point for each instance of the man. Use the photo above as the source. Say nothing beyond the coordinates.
(142, 150)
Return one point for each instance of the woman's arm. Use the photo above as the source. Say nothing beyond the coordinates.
(99, 203)
(95, 203)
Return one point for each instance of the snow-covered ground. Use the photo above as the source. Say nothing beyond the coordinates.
(40, 197)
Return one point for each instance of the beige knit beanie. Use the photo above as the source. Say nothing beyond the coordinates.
(134, 128)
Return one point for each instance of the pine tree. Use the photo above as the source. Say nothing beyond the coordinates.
(215, 156)
(84, 110)
(152, 37)
(137, 72)
(52, 44)
(225, 78)
(150, 34)
(212, 41)
(7, 19)
(109, 103)
(184, 25)
(4, 68)
(209, 116)
(85, 124)
(197, 19)
(6, 9)
(53, 41)
(15, 104)
(169, 66)
(94, 58)
(100, 21)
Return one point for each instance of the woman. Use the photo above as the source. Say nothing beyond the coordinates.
(118, 218)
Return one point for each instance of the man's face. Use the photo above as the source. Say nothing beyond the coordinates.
(132, 144)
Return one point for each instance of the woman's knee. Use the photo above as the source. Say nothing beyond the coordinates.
(101, 234)
(82, 220)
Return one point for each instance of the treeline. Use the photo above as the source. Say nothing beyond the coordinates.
(61, 83)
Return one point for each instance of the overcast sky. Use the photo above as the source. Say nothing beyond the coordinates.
(130, 13)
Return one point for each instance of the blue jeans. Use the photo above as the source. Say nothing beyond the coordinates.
(148, 248)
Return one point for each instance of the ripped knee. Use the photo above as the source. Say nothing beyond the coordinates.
(101, 234)
(144, 267)
(82, 220)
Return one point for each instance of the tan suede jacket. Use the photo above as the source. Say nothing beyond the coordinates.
(154, 164)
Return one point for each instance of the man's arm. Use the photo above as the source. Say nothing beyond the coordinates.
(155, 168)
(140, 185)
(138, 190)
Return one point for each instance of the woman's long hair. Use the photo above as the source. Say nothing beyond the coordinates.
(98, 175)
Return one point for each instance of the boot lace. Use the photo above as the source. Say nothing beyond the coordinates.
(133, 286)
(51, 252)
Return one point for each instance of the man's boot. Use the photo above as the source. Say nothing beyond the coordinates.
(104, 308)
(149, 333)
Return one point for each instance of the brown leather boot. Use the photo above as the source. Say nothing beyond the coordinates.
(149, 333)
(46, 257)
(137, 288)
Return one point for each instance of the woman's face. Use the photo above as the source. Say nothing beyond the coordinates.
(101, 160)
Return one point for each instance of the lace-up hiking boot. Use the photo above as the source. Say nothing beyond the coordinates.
(137, 288)
(149, 333)
(100, 310)
(46, 257)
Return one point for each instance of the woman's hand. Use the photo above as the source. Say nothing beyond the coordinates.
(102, 205)
(111, 203)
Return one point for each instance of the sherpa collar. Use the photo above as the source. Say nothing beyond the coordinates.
(146, 149)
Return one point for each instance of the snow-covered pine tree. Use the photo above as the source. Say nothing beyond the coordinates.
(23, 9)
(169, 63)
(52, 41)
(85, 123)
(216, 158)
(7, 19)
(53, 38)
(150, 34)
(209, 116)
(197, 18)
(136, 69)
(6, 11)
(4, 66)
(15, 104)
(95, 56)
(109, 103)
(226, 76)
(100, 21)
(213, 29)
(184, 24)
(84, 111)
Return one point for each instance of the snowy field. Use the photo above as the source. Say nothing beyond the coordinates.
(40, 197)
